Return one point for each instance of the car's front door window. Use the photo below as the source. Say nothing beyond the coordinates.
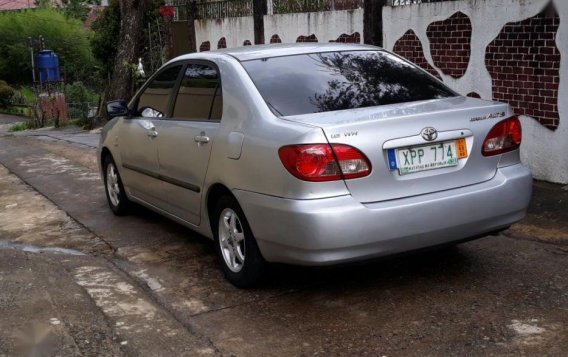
(199, 96)
(154, 101)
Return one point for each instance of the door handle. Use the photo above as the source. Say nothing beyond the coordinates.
(152, 133)
(201, 139)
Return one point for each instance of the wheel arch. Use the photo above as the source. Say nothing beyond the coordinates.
(105, 152)
(214, 193)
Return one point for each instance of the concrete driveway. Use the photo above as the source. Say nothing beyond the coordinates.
(6, 121)
(147, 286)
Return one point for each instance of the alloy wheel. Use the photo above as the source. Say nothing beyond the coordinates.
(232, 240)
(112, 185)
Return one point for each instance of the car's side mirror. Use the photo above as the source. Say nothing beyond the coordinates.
(117, 108)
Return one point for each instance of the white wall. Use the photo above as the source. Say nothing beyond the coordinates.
(326, 25)
(236, 31)
(545, 151)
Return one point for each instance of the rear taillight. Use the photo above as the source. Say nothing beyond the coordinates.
(505, 136)
(323, 162)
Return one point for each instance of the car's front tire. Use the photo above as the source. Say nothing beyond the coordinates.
(239, 256)
(116, 196)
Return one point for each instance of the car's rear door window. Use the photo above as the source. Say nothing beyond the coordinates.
(330, 81)
(155, 99)
(199, 96)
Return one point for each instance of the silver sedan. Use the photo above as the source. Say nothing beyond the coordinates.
(314, 155)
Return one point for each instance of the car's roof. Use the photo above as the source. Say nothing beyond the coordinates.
(282, 49)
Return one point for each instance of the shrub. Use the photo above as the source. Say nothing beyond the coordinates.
(19, 127)
(6, 94)
(65, 35)
(77, 92)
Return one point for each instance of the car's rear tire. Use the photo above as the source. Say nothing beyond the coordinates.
(116, 196)
(239, 256)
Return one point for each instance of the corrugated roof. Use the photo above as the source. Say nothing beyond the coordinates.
(7, 5)
(16, 4)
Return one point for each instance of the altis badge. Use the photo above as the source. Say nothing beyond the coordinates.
(489, 116)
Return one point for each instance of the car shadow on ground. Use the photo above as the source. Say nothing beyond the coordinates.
(450, 262)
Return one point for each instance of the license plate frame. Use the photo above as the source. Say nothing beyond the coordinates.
(419, 158)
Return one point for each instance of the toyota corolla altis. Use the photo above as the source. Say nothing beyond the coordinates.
(314, 155)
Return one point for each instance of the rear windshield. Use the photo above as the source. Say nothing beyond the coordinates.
(324, 82)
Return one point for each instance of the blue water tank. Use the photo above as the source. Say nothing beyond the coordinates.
(47, 64)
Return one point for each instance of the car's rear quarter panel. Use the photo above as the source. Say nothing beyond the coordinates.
(259, 168)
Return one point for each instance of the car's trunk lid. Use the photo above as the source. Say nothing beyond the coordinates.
(375, 130)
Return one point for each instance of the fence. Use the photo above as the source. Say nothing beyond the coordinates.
(222, 9)
(242, 8)
(290, 6)
(179, 9)
(411, 2)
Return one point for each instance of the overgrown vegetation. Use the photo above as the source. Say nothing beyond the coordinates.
(28, 94)
(77, 92)
(18, 110)
(106, 30)
(106, 33)
(6, 94)
(88, 59)
(77, 8)
(63, 34)
(19, 127)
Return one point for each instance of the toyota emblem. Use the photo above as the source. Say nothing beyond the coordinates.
(429, 134)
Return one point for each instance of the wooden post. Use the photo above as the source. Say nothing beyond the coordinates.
(373, 22)
(259, 9)
(191, 16)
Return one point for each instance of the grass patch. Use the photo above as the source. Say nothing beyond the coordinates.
(19, 127)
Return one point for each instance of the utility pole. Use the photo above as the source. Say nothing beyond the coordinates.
(31, 47)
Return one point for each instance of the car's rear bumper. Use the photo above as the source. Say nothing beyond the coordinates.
(340, 229)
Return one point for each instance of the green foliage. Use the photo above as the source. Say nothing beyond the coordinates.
(79, 93)
(64, 35)
(106, 32)
(79, 99)
(6, 94)
(19, 127)
(77, 9)
(18, 110)
(29, 94)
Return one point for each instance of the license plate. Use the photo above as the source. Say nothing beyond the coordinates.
(427, 157)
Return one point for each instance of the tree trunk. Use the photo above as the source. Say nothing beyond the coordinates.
(373, 22)
(259, 9)
(123, 84)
